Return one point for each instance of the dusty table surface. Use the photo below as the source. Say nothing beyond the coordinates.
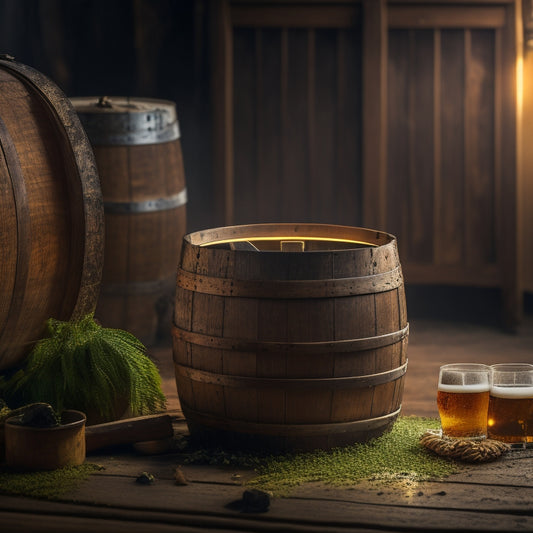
(494, 496)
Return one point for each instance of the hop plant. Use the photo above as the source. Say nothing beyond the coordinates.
(82, 365)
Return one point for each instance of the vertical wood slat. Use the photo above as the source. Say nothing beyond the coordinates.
(374, 113)
(245, 120)
(269, 183)
(498, 111)
(284, 121)
(422, 229)
(483, 52)
(467, 140)
(347, 144)
(479, 142)
(451, 205)
(398, 146)
(437, 148)
(510, 251)
(341, 114)
(312, 144)
(298, 188)
(259, 99)
(223, 112)
(411, 182)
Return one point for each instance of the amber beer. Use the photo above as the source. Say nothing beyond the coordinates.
(463, 410)
(463, 400)
(511, 403)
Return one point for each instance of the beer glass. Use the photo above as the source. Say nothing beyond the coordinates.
(510, 416)
(463, 400)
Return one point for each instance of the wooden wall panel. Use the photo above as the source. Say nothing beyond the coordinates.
(297, 123)
(441, 165)
(397, 115)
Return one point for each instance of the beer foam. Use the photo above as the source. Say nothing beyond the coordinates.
(514, 391)
(463, 389)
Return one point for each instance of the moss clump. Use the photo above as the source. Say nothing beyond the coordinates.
(81, 365)
(396, 455)
(48, 485)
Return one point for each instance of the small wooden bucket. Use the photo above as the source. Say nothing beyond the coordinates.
(31, 448)
(136, 142)
(290, 336)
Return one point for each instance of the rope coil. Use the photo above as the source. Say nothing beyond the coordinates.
(469, 451)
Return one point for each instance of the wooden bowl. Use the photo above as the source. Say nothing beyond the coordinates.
(31, 448)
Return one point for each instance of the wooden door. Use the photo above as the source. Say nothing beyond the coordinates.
(451, 162)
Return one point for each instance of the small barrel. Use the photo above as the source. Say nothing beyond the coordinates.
(52, 222)
(136, 142)
(290, 336)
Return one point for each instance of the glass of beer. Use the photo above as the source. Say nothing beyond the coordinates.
(463, 400)
(511, 403)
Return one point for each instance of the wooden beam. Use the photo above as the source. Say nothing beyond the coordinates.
(446, 17)
(299, 16)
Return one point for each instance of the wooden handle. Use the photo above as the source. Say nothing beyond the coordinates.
(128, 431)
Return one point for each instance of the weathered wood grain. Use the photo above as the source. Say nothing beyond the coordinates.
(431, 506)
(52, 227)
(143, 186)
(282, 344)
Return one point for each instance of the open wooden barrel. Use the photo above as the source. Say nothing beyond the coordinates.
(136, 142)
(290, 336)
(51, 228)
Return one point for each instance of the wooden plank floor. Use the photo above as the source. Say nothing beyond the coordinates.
(490, 497)
(496, 497)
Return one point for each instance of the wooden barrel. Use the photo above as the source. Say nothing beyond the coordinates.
(290, 336)
(51, 228)
(137, 147)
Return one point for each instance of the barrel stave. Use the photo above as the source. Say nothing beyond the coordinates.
(52, 227)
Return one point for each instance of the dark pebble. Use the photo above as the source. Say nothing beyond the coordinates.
(39, 415)
(145, 478)
(255, 501)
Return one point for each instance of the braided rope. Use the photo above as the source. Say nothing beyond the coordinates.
(469, 451)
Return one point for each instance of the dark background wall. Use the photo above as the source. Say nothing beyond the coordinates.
(165, 49)
(139, 48)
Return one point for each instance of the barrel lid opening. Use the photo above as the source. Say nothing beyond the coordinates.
(287, 244)
(292, 238)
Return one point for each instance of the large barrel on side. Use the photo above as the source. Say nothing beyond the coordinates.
(136, 142)
(290, 336)
(51, 228)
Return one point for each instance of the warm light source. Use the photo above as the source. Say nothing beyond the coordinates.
(285, 239)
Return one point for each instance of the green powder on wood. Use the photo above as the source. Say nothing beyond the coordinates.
(394, 456)
(47, 484)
